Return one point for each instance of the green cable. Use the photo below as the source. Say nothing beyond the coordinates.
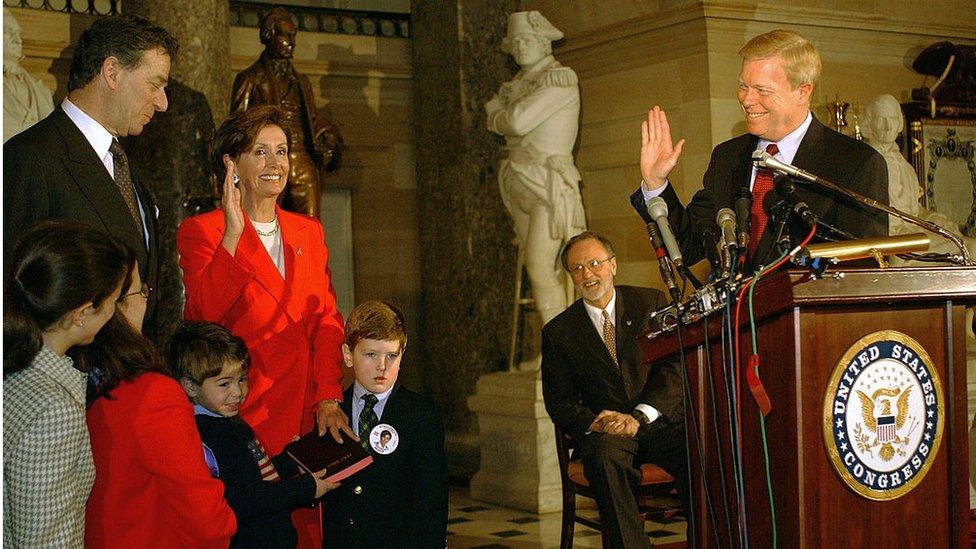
(762, 420)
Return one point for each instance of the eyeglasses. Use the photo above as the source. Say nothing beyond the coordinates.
(593, 265)
(144, 291)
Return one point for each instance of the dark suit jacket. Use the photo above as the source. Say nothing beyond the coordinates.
(823, 152)
(50, 171)
(402, 499)
(579, 379)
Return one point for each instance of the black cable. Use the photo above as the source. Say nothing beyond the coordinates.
(718, 441)
(690, 414)
(688, 276)
(728, 362)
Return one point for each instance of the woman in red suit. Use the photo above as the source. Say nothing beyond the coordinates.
(262, 272)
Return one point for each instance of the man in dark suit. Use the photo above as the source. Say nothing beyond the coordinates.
(70, 165)
(779, 72)
(620, 413)
(401, 499)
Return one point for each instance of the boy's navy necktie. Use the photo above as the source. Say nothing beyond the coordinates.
(367, 418)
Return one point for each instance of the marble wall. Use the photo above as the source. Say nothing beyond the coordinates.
(467, 250)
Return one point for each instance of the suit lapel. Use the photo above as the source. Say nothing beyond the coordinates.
(297, 249)
(346, 404)
(253, 251)
(391, 410)
(811, 146)
(591, 341)
(88, 172)
(742, 176)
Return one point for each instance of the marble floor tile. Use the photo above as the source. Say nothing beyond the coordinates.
(478, 525)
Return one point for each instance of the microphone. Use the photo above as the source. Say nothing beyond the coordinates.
(726, 222)
(763, 159)
(779, 211)
(786, 187)
(708, 237)
(657, 208)
(743, 207)
(663, 262)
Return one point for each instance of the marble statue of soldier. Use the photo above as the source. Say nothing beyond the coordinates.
(880, 126)
(537, 112)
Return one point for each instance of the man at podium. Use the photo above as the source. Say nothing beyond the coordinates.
(619, 412)
(779, 72)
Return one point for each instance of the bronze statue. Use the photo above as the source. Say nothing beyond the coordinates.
(272, 80)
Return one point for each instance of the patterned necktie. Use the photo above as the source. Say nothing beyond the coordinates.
(609, 336)
(762, 185)
(367, 418)
(124, 181)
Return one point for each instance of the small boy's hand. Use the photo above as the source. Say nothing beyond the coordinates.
(321, 485)
(331, 418)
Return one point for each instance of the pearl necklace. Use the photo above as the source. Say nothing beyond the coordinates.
(272, 232)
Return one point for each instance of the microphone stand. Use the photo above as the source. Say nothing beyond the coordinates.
(763, 159)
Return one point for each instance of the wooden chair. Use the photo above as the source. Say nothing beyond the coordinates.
(655, 483)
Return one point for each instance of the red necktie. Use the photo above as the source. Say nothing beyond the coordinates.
(762, 185)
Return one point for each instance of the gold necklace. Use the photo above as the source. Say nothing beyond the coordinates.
(272, 232)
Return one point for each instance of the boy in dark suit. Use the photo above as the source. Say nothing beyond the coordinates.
(401, 499)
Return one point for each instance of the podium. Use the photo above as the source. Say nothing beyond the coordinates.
(804, 328)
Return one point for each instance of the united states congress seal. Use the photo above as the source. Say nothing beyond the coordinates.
(883, 415)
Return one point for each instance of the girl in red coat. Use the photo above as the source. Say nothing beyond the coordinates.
(152, 485)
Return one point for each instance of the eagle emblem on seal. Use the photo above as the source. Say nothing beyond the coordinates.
(884, 424)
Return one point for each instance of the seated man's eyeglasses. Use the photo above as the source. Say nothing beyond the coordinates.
(593, 265)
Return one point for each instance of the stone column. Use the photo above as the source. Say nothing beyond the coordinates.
(467, 255)
(171, 155)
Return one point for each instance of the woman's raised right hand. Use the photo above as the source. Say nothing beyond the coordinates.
(230, 201)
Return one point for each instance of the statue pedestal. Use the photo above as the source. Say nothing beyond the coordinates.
(518, 449)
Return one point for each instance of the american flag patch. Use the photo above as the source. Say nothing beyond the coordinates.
(268, 472)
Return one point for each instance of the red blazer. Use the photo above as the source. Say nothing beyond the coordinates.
(291, 326)
(152, 486)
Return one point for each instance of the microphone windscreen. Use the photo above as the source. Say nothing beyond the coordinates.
(725, 215)
(742, 193)
(657, 207)
(784, 183)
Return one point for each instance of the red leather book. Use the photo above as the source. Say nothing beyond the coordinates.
(314, 453)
